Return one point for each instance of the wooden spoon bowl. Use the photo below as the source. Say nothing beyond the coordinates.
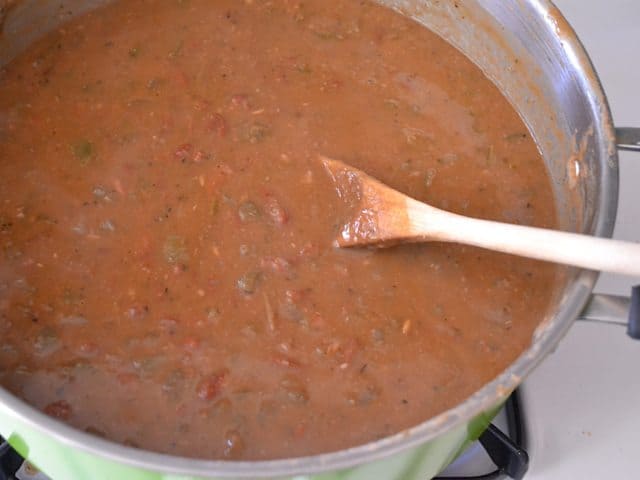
(383, 216)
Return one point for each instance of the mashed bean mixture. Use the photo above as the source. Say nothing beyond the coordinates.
(168, 277)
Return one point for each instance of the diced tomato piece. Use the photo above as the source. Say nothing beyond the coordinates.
(309, 250)
(210, 387)
(191, 343)
(168, 325)
(59, 409)
(240, 101)
(183, 152)
(275, 211)
(117, 185)
(88, 349)
(317, 321)
(224, 169)
(349, 349)
(299, 430)
(294, 295)
(182, 79)
(284, 360)
(201, 104)
(217, 124)
(198, 157)
(276, 264)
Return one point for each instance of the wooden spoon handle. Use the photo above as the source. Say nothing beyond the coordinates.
(560, 247)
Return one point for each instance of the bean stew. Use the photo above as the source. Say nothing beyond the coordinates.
(168, 277)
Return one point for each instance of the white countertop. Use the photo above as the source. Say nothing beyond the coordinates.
(582, 403)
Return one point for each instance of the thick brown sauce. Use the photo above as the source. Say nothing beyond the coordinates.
(168, 278)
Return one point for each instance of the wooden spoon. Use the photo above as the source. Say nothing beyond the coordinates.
(383, 217)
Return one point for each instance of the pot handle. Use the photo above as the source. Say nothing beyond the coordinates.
(615, 309)
(628, 138)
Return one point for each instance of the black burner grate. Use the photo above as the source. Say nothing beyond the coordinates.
(507, 451)
(10, 461)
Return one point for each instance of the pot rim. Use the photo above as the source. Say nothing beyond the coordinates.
(493, 392)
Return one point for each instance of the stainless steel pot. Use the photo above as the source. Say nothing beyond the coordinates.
(527, 48)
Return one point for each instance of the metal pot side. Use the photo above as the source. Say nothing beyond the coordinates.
(531, 53)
